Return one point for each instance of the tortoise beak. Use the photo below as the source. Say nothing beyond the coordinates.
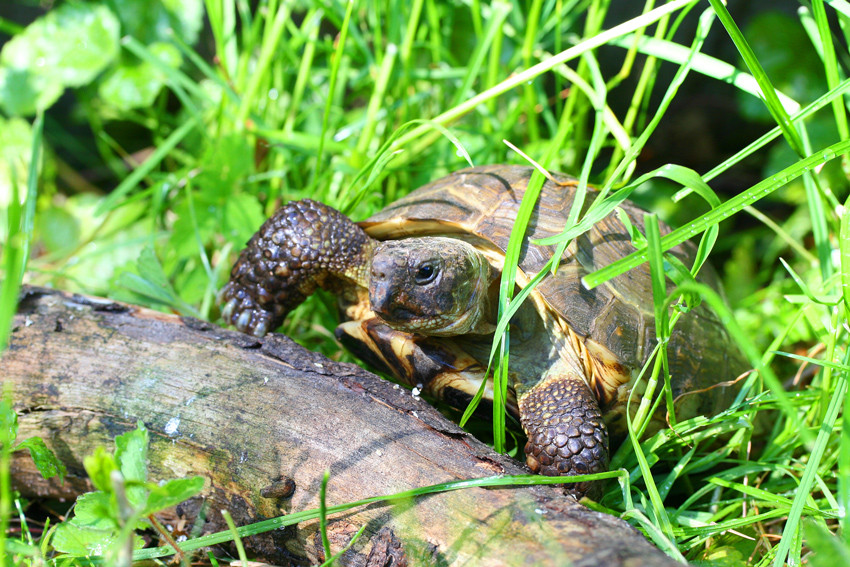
(380, 284)
(380, 299)
(384, 301)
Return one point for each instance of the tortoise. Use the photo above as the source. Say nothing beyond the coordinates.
(418, 286)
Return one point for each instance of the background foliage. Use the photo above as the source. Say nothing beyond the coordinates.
(142, 142)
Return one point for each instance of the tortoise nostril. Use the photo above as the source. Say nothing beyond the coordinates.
(379, 275)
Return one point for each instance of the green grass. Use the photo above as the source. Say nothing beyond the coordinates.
(356, 103)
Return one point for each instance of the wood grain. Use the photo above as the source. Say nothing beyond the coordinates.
(249, 413)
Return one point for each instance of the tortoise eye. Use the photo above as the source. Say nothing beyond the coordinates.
(425, 274)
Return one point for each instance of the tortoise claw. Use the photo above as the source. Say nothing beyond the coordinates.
(240, 310)
(566, 434)
(242, 321)
(227, 308)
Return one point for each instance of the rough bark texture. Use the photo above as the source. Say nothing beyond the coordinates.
(248, 413)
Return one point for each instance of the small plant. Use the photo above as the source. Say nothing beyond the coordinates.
(105, 521)
(46, 463)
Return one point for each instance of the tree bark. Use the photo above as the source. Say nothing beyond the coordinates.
(249, 413)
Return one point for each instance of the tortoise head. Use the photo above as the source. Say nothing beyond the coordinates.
(431, 286)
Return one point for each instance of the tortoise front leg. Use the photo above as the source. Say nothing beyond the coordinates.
(566, 434)
(439, 367)
(304, 245)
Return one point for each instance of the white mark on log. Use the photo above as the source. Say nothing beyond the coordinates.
(171, 427)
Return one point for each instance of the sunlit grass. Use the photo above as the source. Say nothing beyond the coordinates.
(355, 105)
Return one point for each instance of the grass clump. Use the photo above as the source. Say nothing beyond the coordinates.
(171, 145)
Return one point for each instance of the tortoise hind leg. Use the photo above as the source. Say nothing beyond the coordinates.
(566, 434)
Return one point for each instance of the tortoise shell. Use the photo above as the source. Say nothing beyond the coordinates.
(575, 353)
(614, 322)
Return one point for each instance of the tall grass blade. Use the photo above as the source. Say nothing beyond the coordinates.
(768, 93)
(134, 178)
(659, 296)
(715, 216)
(334, 77)
(826, 49)
(20, 221)
(791, 532)
(702, 63)
(547, 65)
(307, 515)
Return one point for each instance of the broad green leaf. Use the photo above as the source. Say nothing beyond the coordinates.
(82, 541)
(95, 510)
(724, 556)
(45, 461)
(99, 467)
(151, 21)
(58, 229)
(136, 84)
(225, 165)
(190, 231)
(105, 245)
(151, 282)
(68, 47)
(146, 287)
(243, 215)
(23, 93)
(151, 269)
(131, 454)
(173, 493)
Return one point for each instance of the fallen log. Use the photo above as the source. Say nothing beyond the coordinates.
(249, 414)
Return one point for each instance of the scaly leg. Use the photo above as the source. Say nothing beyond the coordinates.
(304, 245)
(566, 435)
